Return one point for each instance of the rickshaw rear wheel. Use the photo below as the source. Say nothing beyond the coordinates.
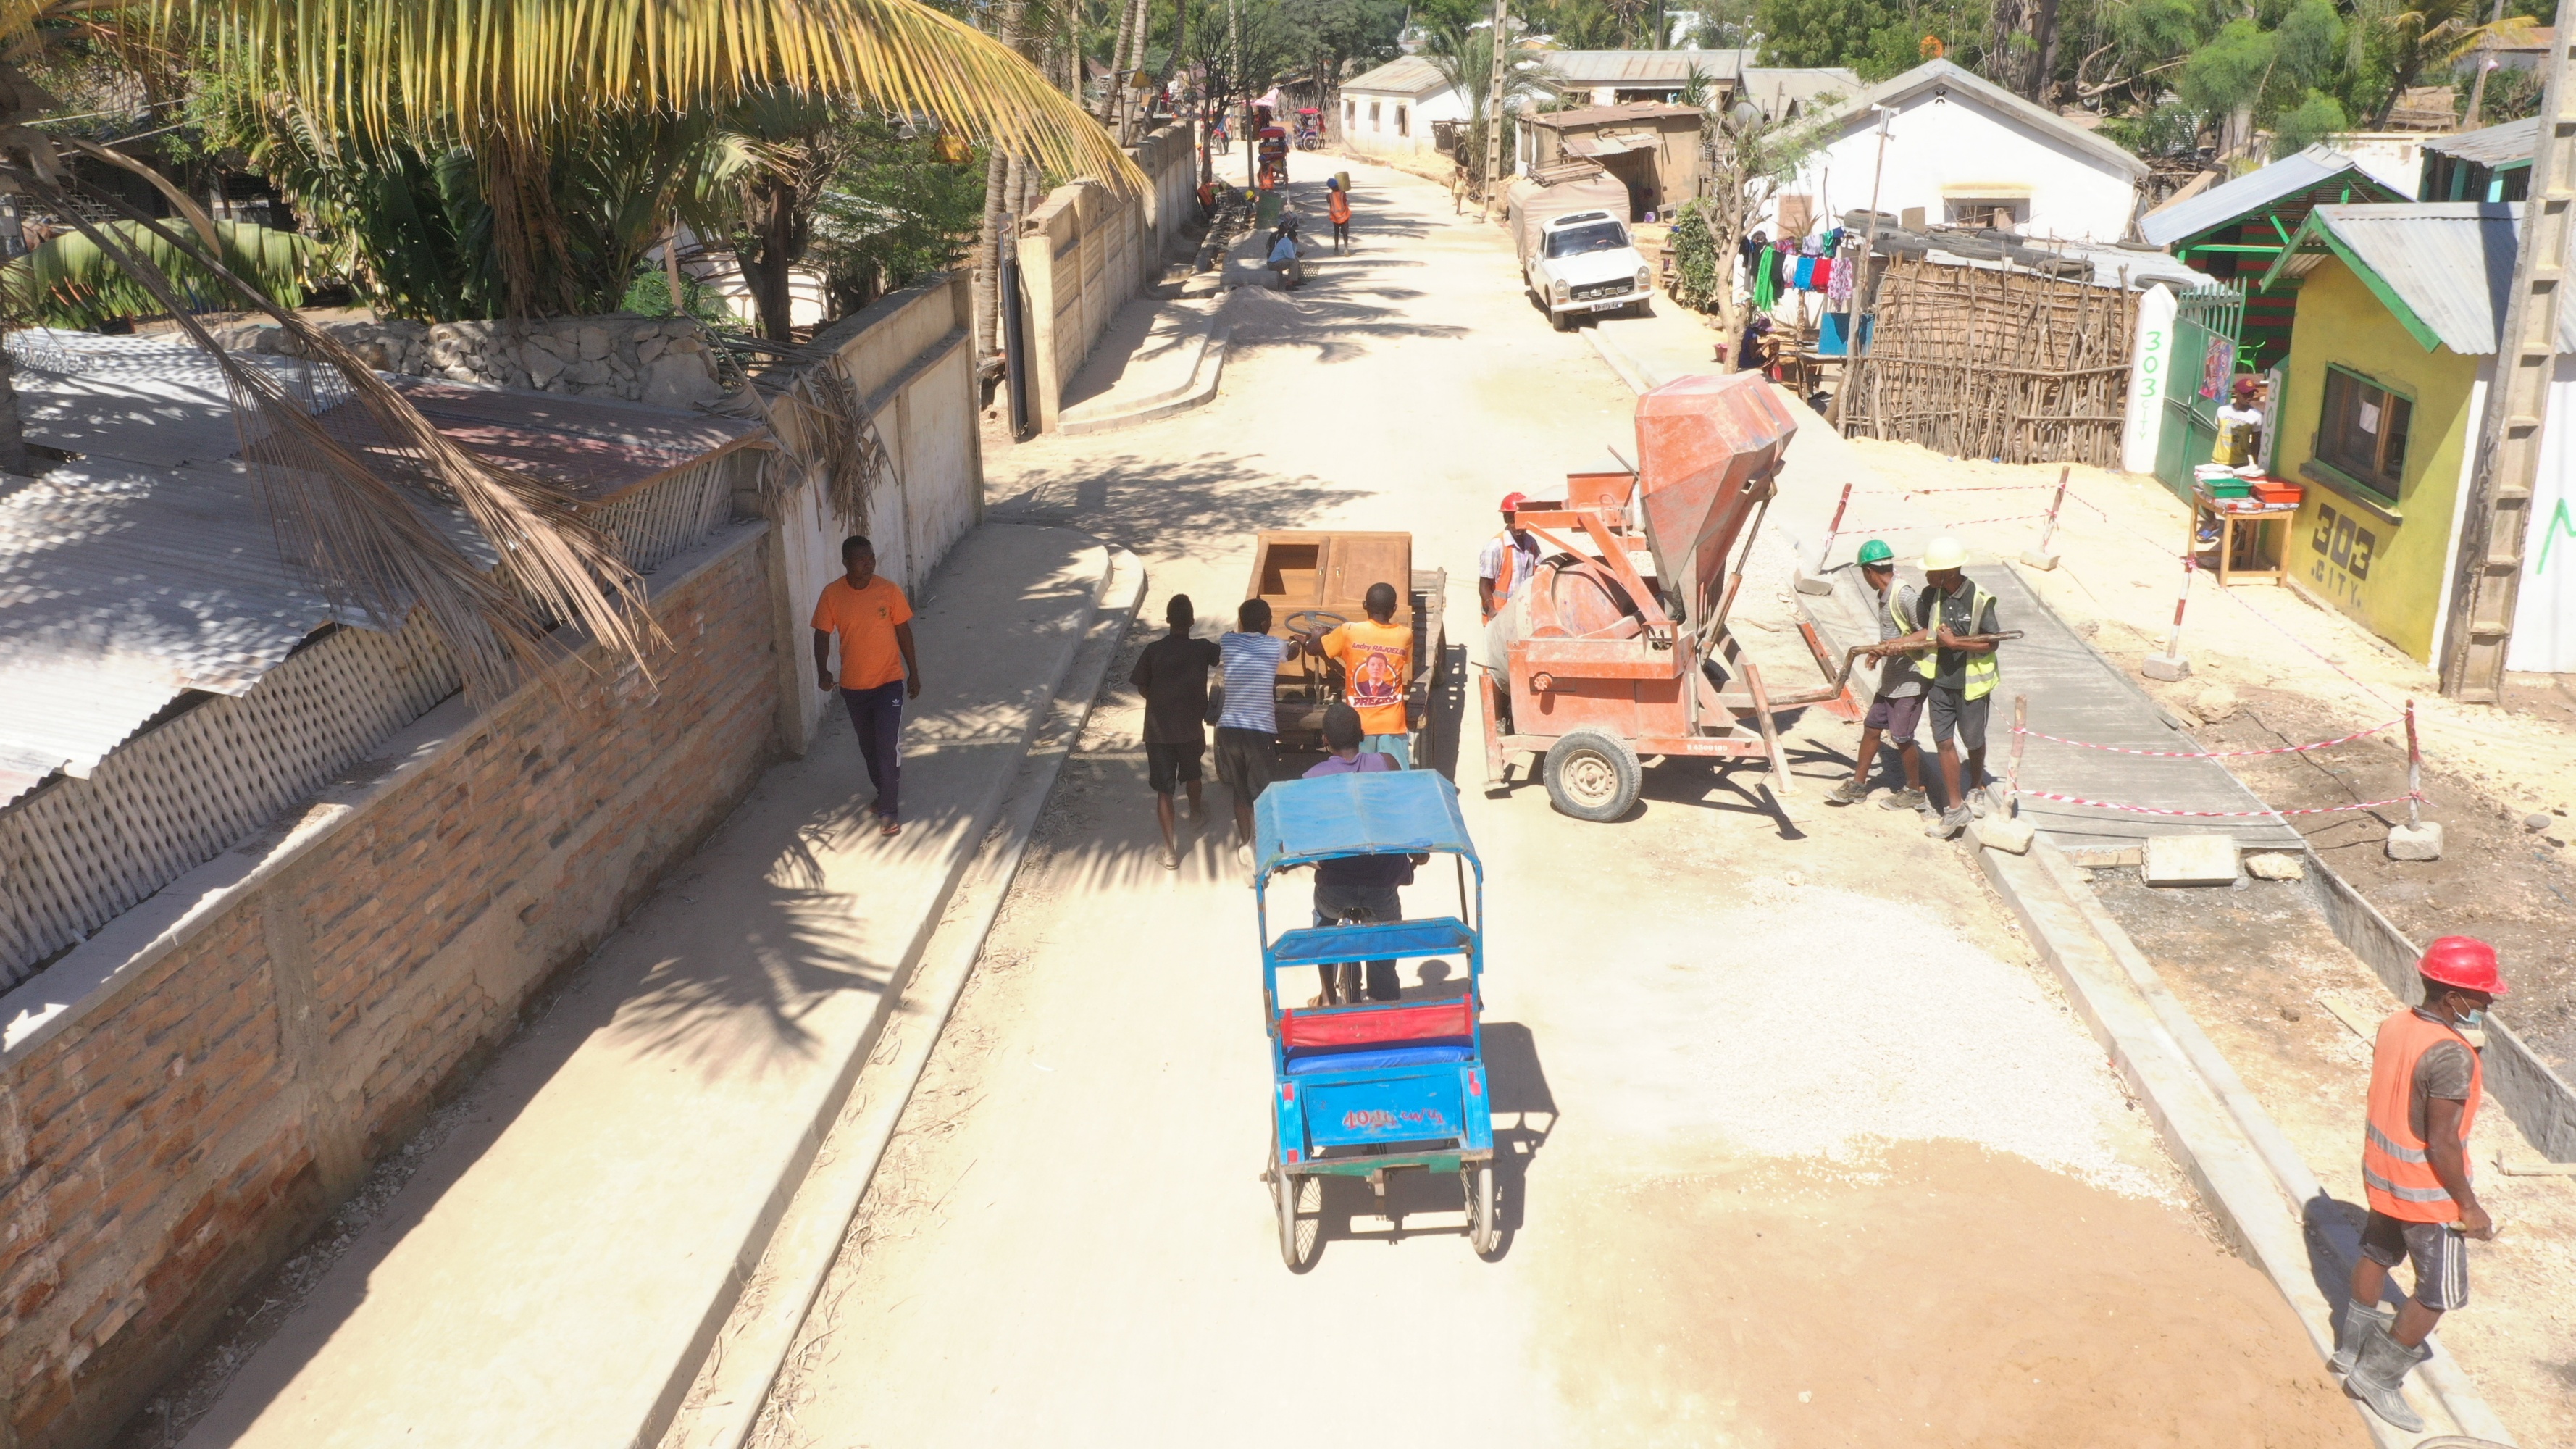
(1484, 1230)
(1297, 1241)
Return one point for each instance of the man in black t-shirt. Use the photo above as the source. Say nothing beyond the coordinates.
(1172, 674)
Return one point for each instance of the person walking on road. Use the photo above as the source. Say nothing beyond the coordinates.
(2425, 1085)
(1898, 706)
(1962, 672)
(872, 621)
(1172, 675)
(1509, 558)
(1247, 730)
(1356, 887)
(1376, 655)
(1338, 205)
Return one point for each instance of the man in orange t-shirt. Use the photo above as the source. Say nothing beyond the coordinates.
(872, 621)
(1376, 655)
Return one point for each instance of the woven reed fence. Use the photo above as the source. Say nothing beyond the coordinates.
(76, 853)
(1987, 364)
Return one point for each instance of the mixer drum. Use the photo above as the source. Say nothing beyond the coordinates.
(1583, 597)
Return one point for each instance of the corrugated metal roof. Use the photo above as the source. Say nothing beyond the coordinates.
(1406, 75)
(2492, 145)
(2450, 263)
(1780, 88)
(147, 570)
(2248, 193)
(1942, 74)
(1640, 67)
(1611, 115)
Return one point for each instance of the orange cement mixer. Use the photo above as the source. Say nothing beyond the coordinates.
(1617, 646)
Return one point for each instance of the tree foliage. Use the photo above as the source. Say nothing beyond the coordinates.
(70, 282)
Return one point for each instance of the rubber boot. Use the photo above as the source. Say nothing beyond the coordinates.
(2357, 1320)
(2378, 1377)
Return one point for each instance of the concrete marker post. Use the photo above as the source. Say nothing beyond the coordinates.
(1812, 580)
(2040, 557)
(2171, 665)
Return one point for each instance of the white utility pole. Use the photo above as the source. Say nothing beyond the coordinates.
(2497, 514)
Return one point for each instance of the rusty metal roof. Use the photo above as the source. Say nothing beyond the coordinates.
(147, 568)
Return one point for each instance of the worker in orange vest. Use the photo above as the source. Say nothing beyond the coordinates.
(2425, 1085)
(1338, 204)
(1509, 557)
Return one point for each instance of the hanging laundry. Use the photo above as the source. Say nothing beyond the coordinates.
(1824, 275)
(1766, 285)
(1804, 273)
(1840, 290)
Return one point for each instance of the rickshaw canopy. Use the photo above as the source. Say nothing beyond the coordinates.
(1391, 812)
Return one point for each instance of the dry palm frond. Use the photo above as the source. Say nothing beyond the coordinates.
(319, 458)
(537, 71)
(832, 441)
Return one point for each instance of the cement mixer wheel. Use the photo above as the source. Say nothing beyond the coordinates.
(1592, 775)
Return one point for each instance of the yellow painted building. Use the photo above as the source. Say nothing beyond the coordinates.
(2390, 354)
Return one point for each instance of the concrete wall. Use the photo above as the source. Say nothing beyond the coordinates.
(2385, 567)
(1947, 146)
(909, 358)
(186, 1095)
(1088, 251)
(664, 361)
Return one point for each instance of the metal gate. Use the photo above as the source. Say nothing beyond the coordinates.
(2207, 323)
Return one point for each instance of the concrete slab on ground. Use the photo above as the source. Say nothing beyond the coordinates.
(556, 1270)
(1157, 358)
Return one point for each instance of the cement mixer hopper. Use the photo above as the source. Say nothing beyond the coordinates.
(1708, 448)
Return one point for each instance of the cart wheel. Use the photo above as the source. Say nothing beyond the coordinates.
(1484, 1230)
(1290, 1191)
(1592, 775)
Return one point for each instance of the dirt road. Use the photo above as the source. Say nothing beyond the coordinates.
(1802, 1150)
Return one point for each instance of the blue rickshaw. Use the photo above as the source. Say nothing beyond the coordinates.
(1370, 1088)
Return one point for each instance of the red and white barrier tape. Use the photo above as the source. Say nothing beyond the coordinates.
(2313, 651)
(2216, 754)
(2071, 496)
(2210, 814)
(1937, 527)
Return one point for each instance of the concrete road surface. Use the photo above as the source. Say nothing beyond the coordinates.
(1801, 1149)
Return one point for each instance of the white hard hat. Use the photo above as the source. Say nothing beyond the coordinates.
(1944, 553)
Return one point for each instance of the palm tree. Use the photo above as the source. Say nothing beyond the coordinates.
(1465, 59)
(514, 84)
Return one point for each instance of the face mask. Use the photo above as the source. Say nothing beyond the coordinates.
(2472, 1021)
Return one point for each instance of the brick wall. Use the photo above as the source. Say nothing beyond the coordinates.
(219, 1068)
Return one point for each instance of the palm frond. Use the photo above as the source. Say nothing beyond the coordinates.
(71, 281)
(538, 71)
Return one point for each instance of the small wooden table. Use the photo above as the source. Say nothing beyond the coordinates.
(2232, 514)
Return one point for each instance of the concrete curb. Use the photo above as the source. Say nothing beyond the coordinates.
(2246, 1170)
(1207, 368)
(1630, 370)
(734, 1381)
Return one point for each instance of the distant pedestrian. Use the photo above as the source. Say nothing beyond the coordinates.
(872, 621)
(1898, 705)
(1356, 888)
(1962, 672)
(1376, 655)
(1247, 731)
(1338, 204)
(1172, 675)
(2425, 1086)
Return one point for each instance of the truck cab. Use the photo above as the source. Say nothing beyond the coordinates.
(1585, 262)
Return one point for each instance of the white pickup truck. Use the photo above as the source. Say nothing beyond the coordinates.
(1584, 262)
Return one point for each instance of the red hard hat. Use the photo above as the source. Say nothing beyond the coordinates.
(1514, 500)
(2465, 962)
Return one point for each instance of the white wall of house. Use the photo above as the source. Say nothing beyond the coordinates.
(1385, 121)
(1948, 149)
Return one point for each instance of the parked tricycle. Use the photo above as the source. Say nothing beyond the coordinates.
(1378, 1087)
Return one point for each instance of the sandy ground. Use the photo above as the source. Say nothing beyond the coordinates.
(1800, 1148)
(2256, 968)
(2269, 668)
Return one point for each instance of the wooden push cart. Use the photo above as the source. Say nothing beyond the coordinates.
(1314, 580)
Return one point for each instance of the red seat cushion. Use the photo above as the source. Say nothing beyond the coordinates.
(1373, 1025)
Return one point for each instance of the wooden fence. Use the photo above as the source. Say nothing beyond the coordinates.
(1995, 364)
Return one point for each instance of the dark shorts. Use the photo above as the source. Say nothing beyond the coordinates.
(1953, 714)
(1167, 766)
(2440, 1255)
(1895, 717)
(1246, 760)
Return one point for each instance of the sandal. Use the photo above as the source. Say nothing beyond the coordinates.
(892, 829)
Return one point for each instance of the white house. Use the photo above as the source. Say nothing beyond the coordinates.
(1393, 107)
(1963, 149)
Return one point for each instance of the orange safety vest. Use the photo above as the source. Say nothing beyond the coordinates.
(1503, 576)
(2396, 1170)
(1341, 208)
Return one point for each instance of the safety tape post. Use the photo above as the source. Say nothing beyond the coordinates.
(2012, 771)
(2048, 530)
(2414, 773)
(2173, 641)
(1833, 528)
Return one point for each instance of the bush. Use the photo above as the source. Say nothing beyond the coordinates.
(1696, 274)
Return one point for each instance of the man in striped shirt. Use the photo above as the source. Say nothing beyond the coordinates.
(1247, 732)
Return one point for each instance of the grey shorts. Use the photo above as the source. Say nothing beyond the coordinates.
(1246, 759)
(2440, 1255)
(1895, 717)
(1953, 713)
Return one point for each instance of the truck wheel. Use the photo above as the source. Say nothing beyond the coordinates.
(1592, 776)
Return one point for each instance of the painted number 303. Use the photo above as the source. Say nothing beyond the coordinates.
(2343, 543)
